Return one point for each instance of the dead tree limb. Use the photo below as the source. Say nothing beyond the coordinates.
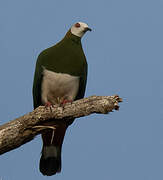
(21, 130)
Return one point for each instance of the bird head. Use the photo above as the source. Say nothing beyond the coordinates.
(79, 29)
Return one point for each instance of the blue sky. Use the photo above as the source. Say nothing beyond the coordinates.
(125, 57)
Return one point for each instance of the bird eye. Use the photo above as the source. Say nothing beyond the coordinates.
(77, 25)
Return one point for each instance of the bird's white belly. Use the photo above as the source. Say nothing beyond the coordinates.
(58, 86)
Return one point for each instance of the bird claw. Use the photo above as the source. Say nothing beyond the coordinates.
(49, 105)
(65, 101)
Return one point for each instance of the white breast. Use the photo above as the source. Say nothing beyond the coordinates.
(58, 86)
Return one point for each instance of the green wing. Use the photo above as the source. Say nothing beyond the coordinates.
(37, 84)
(82, 83)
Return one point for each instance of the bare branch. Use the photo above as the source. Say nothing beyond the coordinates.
(21, 130)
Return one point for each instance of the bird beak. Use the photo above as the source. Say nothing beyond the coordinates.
(87, 29)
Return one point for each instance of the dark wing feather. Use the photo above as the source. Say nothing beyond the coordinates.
(37, 84)
(82, 83)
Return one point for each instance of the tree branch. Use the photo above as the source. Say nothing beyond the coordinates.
(23, 129)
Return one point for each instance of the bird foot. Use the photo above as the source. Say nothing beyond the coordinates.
(49, 105)
(65, 101)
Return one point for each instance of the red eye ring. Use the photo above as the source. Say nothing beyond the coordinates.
(77, 25)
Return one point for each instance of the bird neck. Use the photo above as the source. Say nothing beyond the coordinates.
(72, 37)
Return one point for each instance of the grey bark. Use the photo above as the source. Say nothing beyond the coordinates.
(23, 129)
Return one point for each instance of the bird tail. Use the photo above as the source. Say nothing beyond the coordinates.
(50, 161)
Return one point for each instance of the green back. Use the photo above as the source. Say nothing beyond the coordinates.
(65, 57)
